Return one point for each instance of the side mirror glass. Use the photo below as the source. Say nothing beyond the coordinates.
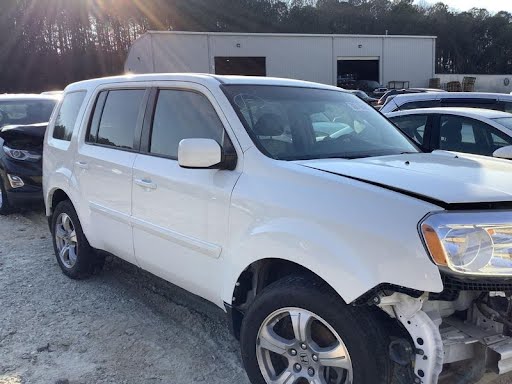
(199, 153)
(504, 152)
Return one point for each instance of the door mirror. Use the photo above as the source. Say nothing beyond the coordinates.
(504, 152)
(199, 153)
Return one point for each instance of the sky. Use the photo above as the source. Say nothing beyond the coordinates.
(491, 5)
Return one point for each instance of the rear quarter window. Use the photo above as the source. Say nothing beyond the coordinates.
(68, 113)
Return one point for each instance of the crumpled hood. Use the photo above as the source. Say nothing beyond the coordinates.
(441, 176)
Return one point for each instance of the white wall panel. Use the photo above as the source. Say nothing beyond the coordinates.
(303, 58)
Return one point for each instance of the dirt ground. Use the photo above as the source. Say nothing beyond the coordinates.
(122, 326)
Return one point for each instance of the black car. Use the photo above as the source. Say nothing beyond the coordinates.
(23, 121)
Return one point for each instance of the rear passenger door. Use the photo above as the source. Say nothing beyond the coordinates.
(180, 216)
(103, 168)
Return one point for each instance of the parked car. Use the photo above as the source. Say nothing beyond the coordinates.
(371, 87)
(469, 130)
(393, 92)
(23, 121)
(320, 247)
(496, 101)
(364, 96)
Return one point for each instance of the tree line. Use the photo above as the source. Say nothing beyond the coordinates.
(46, 44)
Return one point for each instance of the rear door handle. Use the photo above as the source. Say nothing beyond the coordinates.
(145, 183)
(82, 164)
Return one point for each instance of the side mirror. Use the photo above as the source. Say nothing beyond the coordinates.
(504, 152)
(199, 153)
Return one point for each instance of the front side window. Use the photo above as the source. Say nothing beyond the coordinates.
(182, 115)
(413, 126)
(462, 134)
(293, 123)
(118, 120)
(68, 113)
(25, 111)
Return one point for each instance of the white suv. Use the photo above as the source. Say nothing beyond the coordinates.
(340, 253)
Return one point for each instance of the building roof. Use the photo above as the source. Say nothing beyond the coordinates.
(284, 34)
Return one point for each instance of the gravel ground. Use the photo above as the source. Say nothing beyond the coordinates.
(122, 326)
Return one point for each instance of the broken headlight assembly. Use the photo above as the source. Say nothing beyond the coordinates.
(470, 243)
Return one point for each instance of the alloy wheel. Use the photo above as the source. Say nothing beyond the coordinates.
(66, 240)
(296, 346)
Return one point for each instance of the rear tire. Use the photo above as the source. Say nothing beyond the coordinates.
(5, 206)
(76, 258)
(354, 333)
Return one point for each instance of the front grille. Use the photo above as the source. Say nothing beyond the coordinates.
(454, 283)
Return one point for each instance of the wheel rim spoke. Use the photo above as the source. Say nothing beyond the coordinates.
(60, 232)
(271, 341)
(287, 377)
(72, 236)
(335, 356)
(301, 322)
(64, 253)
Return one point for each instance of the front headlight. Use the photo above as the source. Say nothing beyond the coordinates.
(21, 154)
(472, 243)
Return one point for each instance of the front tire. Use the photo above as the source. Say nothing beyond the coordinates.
(75, 256)
(299, 331)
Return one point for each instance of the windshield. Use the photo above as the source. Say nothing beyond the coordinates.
(24, 112)
(505, 121)
(292, 123)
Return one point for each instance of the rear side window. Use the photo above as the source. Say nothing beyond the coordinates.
(182, 115)
(413, 126)
(68, 113)
(114, 122)
(463, 134)
(420, 104)
(472, 103)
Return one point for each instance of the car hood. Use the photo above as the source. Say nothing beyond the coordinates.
(24, 136)
(440, 177)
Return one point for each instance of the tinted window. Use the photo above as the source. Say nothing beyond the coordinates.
(412, 125)
(507, 106)
(462, 134)
(68, 113)
(420, 104)
(119, 119)
(182, 115)
(25, 111)
(473, 103)
(284, 123)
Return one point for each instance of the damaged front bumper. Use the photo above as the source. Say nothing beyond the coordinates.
(454, 342)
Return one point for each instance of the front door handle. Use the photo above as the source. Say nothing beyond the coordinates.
(145, 183)
(82, 164)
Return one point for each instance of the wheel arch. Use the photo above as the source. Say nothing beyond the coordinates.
(256, 277)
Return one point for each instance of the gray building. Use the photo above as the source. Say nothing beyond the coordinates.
(328, 59)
